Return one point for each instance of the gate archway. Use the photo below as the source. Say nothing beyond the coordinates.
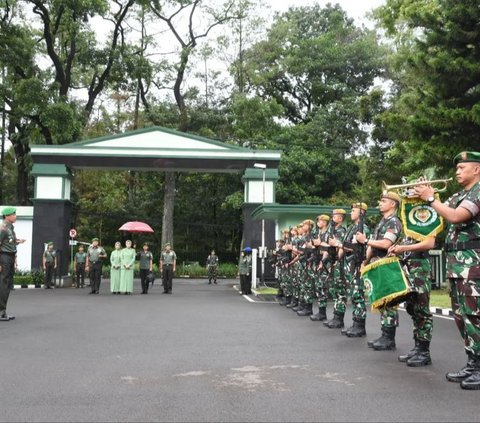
(150, 149)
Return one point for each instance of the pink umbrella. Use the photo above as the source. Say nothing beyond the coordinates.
(136, 226)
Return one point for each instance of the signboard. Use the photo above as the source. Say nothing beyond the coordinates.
(73, 233)
(72, 242)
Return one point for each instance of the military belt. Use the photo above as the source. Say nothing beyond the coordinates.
(463, 245)
(8, 253)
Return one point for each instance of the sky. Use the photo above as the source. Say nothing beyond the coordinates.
(355, 8)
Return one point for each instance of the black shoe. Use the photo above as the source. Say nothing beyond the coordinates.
(209, 282)
(357, 330)
(422, 356)
(4, 318)
(165, 292)
(299, 306)
(472, 382)
(386, 341)
(215, 282)
(336, 322)
(320, 316)
(293, 303)
(370, 343)
(463, 373)
(96, 292)
(405, 357)
(92, 292)
(306, 311)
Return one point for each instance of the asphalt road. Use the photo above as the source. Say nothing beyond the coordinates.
(205, 353)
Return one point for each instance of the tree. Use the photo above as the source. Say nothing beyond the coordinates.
(435, 106)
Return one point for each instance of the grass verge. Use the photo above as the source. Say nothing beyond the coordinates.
(440, 298)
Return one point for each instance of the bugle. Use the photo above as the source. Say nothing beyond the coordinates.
(406, 189)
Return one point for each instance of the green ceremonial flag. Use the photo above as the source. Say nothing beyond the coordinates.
(420, 220)
(386, 282)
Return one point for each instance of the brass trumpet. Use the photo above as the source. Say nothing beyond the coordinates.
(406, 189)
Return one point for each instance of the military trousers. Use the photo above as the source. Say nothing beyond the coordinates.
(212, 273)
(308, 284)
(339, 289)
(321, 287)
(466, 311)
(418, 306)
(143, 279)
(167, 277)
(95, 275)
(80, 274)
(49, 272)
(7, 264)
(285, 281)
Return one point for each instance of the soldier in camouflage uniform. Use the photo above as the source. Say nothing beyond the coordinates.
(462, 246)
(386, 233)
(321, 270)
(418, 306)
(293, 265)
(285, 281)
(306, 260)
(212, 267)
(350, 249)
(337, 277)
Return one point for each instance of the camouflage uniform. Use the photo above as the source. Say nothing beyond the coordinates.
(463, 268)
(322, 278)
(357, 288)
(212, 266)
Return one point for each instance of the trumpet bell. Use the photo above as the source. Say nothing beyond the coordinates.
(407, 189)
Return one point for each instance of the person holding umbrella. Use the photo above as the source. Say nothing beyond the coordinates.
(168, 264)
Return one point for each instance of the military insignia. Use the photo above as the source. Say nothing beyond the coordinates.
(420, 220)
(463, 155)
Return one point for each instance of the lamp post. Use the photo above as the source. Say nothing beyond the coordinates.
(262, 166)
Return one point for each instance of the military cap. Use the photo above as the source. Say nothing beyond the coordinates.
(308, 221)
(167, 244)
(391, 196)
(323, 217)
(359, 205)
(467, 156)
(50, 243)
(339, 211)
(145, 243)
(247, 250)
(94, 239)
(7, 211)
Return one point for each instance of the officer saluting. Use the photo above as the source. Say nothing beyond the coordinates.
(8, 252)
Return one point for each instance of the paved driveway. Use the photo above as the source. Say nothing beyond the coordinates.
(205, 353)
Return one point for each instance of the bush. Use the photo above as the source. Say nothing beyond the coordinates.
(23, 280)
(34, 277)
(194, 270)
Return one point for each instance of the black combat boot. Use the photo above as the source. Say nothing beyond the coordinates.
(293, 303)
(357, 330)
(288, 300)
(463, 373)
(370, 343)
(299, 306)
(472, 382)
(283, 301)
(422, 357)
(387, 340)
(320, 316)
(336, 322)
(306, 311)
(405, 357)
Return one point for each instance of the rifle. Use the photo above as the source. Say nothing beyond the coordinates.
(359, 250)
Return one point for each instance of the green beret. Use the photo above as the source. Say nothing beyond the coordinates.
(7, 211)
(94, 239)
(50, 243)
(467, 156)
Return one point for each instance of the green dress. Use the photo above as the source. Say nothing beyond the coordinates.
(115, 272)
(127, 260)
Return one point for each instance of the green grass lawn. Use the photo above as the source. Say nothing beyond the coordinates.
(440, 298)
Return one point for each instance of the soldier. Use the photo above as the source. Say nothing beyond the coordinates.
(337, 278)
(418, 306)
(321, 270)
(95, 255)
(307, 273)
(146, 267)
(386, 233)
(284, 271)
(296, 268)
(79, 264)
(126, 270)
(245, 271)
(8, 253)
(212, 267)
(353, 253)
(49, 264)
(462, 246)
(115, 269)
(168, 264)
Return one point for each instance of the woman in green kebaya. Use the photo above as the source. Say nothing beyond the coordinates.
(115, 268)
(127, 262)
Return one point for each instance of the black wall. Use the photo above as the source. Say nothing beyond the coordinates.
(51, 222)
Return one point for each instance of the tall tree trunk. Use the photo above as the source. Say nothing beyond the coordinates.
(21, 150)
(168, 207)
